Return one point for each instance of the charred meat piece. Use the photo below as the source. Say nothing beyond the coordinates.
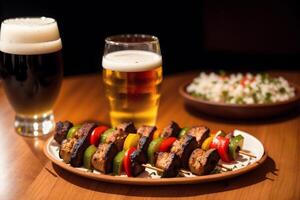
(83, 141)
(127, 127)
(118, 138)
(144, 143)
(172, 130)
(102, 160)
(203, 162)
(146, 131)
(137, 158)
(169, 162)
(61, 130)
(200, 133)
(66, 149)
(183, 149)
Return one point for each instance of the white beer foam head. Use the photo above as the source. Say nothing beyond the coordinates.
(29, 36)
(131, 60)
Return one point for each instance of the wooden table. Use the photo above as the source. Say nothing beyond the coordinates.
(27, 174)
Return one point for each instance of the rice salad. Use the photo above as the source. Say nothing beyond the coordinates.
(240, 88)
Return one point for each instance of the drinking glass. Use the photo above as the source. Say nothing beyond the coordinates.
(31, 69)
(132, 74)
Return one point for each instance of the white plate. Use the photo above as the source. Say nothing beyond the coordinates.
(242, 165)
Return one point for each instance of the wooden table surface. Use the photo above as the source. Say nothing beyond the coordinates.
(27, 174)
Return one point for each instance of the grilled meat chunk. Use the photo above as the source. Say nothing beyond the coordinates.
(137, 158)
(102, 160)
(127, 127)
(144, 143)
(169, 162)
(146, 131)
(61, 130)
(203, 162)
(183, 149)
(200, 133)
(66, 149)
(83, 141)
(118, 138)
(172, 130)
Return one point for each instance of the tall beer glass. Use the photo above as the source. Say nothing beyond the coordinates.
(132, 73)
(31, 69)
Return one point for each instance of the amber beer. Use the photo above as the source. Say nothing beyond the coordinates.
(133, 80)
(31, 69)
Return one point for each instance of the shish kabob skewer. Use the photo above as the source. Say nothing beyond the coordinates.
(200, 133)
(116, 142)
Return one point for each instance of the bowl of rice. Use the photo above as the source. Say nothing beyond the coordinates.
(240, 96)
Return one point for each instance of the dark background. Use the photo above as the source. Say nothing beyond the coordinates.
(198, 34)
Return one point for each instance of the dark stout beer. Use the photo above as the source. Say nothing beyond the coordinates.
(32, 71)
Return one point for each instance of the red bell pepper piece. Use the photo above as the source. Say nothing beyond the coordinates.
(166, 145)
(127, 162)
(223, 149)
(96, 134)
(215, 142)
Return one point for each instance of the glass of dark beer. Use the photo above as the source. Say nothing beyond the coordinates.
(31, 68)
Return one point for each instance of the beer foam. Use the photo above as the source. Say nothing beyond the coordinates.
(29, 36)
(131, 60)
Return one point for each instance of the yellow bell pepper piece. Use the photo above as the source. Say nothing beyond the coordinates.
(156, 134)
(205, 145)
(131, 141)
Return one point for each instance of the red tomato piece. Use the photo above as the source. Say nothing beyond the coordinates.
(96, 134)
(127, 162)
(166, 145)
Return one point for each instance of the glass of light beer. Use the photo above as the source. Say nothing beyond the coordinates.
(132, 74)
(32, 71)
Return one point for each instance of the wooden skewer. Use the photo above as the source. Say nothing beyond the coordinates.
(182, 172)
(151, 167)
(161, 170)
(246, 154)
(223, 167)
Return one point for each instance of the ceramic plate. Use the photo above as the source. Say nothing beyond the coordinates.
(238, 111)
(150, 177)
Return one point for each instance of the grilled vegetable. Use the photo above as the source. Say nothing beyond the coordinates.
(166, 144)
(156, 135)
(235, 145)
(96, 134)
(153, 147)
(127, 161)
(118, 163)
(183, 132)
(106, 134)
(87, 157)
(72, 131)
(215, 141)
(206, 144)
(131, 141)
(223, 148)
